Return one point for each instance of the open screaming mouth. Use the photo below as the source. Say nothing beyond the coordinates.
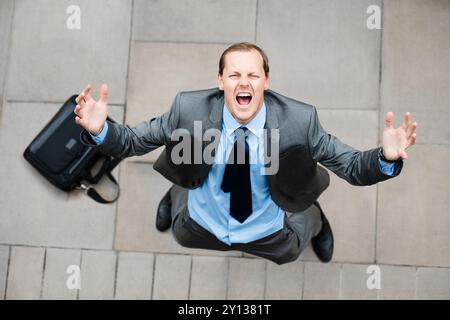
(244, 98)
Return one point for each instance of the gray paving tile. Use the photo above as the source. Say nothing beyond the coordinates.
(413, 219)
(6, 14)
(58, 271)
(358, 128)
(172, 277)
(321, 281)
(336, 65)
(209, 278)
(48, 217)
(433, 283)
(416, 67)
(134, 276)
(64, 60)
(136, 216)
(98, 272)
(25, 273)
(354, 283)
(207, 21)
(352, 222)
(4, 262)
(136, 229)
(158, 71)
(397, 283)
(284, 282)
(246, 279)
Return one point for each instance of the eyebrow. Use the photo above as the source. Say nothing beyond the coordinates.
(251, 73)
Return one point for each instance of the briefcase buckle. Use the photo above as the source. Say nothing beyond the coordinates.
(84, 187)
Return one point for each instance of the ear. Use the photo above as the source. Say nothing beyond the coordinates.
(220, 81)
(266, 82)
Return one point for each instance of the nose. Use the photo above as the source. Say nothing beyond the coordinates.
(244, 82)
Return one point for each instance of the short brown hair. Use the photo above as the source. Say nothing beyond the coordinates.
(244, 46)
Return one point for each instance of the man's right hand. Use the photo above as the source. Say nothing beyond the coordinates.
(91, 114)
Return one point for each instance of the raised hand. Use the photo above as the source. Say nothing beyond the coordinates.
(396, 141)
(91, 114)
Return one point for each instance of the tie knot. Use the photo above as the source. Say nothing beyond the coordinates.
(241, 133)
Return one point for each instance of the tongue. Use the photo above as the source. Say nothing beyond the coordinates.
(244, 100)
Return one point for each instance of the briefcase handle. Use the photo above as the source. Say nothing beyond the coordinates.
(107, 166)
(90, 191)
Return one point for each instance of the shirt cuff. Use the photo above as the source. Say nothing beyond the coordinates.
(386, 168)
(101, 136)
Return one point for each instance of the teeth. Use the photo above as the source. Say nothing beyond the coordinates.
(244, 94)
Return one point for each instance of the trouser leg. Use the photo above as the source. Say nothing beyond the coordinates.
(178, 198)
(280, 247)
(287, 244)
(306, 224)
(186, 231)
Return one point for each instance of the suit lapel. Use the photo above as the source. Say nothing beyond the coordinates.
(271, 124)
(216, 114)
(271, 114)
(214, 120)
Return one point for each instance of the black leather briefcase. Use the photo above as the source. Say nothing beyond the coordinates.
(58, 154)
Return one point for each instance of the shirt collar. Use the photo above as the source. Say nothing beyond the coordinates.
(255, 125)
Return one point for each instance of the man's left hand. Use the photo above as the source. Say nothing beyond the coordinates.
(396, 141)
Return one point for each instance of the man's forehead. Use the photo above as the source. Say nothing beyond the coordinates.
(244, 60)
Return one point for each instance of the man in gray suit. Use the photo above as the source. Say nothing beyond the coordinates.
(240, 201)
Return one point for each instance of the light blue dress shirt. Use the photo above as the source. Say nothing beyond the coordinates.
(209, 206)
(101, 136)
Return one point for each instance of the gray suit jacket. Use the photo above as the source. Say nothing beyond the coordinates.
(302, 144)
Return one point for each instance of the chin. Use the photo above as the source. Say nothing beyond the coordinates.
(244, 115)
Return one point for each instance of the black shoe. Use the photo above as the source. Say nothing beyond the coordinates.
(163, 215)
(323, 243)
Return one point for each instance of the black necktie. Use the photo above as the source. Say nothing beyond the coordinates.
(236, 178)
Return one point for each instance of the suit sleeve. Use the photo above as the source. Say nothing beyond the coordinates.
(124, 141)
(359, 168)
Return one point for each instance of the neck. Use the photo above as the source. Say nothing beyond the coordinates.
(244, 122)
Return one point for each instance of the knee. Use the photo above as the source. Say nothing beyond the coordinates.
(290, 256)
(181, 235)
(185, 240)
